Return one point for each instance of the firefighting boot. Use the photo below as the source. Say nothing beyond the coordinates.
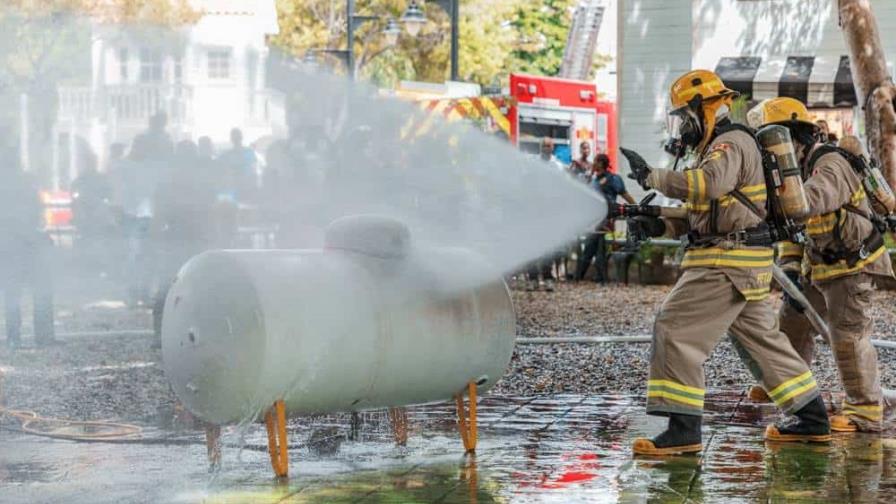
(757, 394)
(809, 424)
(682, 436)
(842, 423)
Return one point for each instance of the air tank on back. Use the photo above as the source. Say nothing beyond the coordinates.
(789, 181)
(371, 320)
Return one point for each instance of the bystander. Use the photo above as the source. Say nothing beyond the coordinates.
(612, 187)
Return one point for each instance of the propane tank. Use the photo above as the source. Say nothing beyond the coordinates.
(788, 178)
(369, 321)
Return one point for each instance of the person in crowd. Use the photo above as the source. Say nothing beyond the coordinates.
(612, 187)
(93, 216)
(182, 221)
(239, 165)
(23, 248)
(825, 135)
(146, 164)
(581, 168)
(540, 273)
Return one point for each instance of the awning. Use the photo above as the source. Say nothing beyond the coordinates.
(816, 81)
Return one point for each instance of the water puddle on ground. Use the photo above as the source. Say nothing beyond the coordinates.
(565, 448)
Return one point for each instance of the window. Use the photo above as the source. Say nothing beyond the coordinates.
(123, 64)
(219, 64)
(150, 65)
(178, 70)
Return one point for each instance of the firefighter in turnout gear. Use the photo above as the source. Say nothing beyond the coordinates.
(724, 286)
(844, 253)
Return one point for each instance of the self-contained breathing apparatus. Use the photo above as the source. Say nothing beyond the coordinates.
(881, 201)
(785, 202)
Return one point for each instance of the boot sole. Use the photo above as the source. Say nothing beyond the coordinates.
(672, 450)
(772, 434)
(844, 430)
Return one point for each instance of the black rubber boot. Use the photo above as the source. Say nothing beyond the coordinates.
(809, 424)
(682, 436)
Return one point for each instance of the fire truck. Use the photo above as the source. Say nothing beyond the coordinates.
(568, 111)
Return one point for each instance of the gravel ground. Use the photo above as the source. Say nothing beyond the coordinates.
(586, 309)
(120, 377)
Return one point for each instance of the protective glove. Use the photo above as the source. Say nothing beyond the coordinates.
(650, 226)
(794, 277)
(637, 166)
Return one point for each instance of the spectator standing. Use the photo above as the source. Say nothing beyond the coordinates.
(182, 223)
(239, 164)
(581, 168)
(23, 247)
(544, 266)
(612, 187)
(93, 217)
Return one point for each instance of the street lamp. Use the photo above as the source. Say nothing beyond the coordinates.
(391, 32)
(413, 19)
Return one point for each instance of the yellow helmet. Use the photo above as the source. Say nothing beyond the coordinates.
(697, 82)
(700, 94)
(781, 110)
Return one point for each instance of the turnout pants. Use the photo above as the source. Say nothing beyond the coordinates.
(844, 303)
(701, 308)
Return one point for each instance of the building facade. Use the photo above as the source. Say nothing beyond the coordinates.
(207, 77)
(762, 48)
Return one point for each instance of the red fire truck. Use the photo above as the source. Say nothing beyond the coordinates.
(567, 111)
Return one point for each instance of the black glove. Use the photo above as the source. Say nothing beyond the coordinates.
(794, 277)
(649, 226)
(637, 166)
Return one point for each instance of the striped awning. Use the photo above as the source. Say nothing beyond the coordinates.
(815, 81)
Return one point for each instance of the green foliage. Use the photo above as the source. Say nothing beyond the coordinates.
(496, 37)
(542, 29)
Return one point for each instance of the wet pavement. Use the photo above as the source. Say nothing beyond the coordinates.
(562, 448)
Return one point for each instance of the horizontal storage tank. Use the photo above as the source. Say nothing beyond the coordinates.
(370, 321)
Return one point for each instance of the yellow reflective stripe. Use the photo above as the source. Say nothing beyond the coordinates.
(789, 249)
(757, 190)
(719, 257)
(863, 407)
(825, 271)
(795, 392)
(696, 185)
(727, 201)
(677, 386)
(756, 294)
(793, 381)
(857, 196)
(821, 224)
(665, 394)
(869, 411)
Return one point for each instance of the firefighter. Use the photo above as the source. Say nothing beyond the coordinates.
(844, 254)
(724, 286)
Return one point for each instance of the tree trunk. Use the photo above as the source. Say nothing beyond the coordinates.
(874, 88)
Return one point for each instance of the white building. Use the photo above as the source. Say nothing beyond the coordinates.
(208, 77)
(762, 48)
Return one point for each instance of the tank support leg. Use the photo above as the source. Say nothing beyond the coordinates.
(275, 421)
(213, 445)
(398, 417)
(466, 418)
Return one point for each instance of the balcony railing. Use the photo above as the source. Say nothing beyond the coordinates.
(125, 104)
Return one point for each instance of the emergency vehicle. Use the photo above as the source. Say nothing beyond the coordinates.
(568, 111)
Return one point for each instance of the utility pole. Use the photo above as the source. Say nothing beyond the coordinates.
(874, 87)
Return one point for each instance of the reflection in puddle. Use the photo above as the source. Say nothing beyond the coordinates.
(534, 449)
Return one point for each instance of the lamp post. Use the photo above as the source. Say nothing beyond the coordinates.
(413, 19)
